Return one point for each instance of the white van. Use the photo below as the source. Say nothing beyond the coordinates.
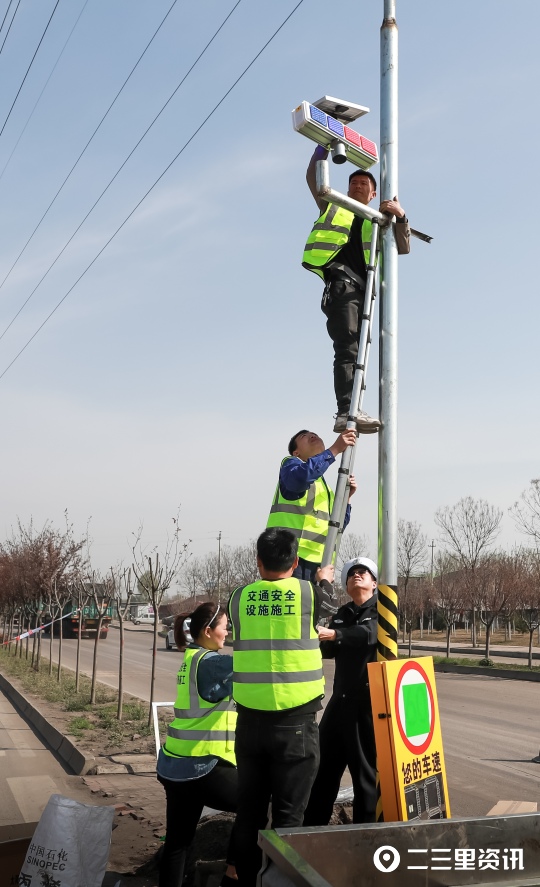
(144, 619)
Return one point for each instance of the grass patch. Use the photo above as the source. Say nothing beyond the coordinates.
(48, 687)
(136, 714)
(101, 716)
(457, 660)
(77, 726)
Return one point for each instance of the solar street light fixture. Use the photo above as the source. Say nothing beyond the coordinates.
(326, 122)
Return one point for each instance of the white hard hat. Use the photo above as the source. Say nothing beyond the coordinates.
(355, 562)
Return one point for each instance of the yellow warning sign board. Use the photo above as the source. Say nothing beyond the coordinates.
(410, 756)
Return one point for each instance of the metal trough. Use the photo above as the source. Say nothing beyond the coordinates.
(488, 850)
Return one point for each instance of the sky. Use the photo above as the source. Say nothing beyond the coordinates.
(176, 370)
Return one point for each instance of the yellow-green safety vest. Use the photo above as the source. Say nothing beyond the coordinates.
(277, 660)
(307, 518)
(199, 727)
(330, 232)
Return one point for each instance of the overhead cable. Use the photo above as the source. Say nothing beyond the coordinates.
(5, 15)
(29, 66)
(82, 152)
(147, 130)
(43, 90)
(10, 24)
(145, 195)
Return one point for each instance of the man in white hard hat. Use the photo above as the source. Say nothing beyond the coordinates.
(346, 730)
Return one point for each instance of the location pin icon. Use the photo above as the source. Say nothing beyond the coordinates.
(386, 858)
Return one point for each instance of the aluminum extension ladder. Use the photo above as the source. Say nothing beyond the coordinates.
(337, 518)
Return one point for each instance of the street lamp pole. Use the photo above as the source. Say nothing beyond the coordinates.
(388, 513)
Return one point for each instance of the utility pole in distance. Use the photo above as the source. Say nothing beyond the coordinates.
(432, 546)
(219, 567)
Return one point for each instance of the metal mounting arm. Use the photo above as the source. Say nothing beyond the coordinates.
(359, 209)
(326, 193)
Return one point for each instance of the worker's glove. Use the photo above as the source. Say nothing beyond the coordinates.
(320, 153)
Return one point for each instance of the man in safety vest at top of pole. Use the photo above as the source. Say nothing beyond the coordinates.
(278, 685)
(303, 500)
(338, 251)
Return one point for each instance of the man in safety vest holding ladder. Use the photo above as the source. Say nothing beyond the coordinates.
(278, 685)
(303, 500)
(337, 250)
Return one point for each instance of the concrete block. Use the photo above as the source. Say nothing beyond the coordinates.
(148, 767)
(149, 760)
(506, 808)
(105, 769)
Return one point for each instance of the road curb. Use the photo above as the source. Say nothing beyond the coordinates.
(136, 629)
(62, 745)
(507, 673)
(468, 650)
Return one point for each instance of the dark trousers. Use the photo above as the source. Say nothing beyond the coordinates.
(185, 802)
(343, 305)
(305, 570)
(346, 740)
(276, 761)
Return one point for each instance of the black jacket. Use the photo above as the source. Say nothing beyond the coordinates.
(355, 645)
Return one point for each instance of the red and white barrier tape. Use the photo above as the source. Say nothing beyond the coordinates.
(28, 634)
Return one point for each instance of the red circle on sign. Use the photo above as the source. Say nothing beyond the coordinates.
(415, 749)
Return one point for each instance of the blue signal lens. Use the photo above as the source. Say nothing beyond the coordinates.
(318, 115)
(335, 126)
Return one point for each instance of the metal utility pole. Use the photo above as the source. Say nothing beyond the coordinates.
(219, 566)
(432, 546)
(388, 514)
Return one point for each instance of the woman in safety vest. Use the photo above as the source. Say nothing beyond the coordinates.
(196, 765)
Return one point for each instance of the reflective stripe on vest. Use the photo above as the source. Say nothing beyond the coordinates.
(306, 518)
(276, 660)
(329, 234)
(199, 727)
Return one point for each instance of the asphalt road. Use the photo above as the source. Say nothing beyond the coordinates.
(491, 726)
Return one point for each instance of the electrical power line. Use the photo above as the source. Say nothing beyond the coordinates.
(5, 15)
(10, 24)
(43, 90)
(118, 171)
(145, 195)
(80, 156)
(29, 66)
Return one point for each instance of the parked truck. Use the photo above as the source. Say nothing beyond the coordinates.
(89, 622)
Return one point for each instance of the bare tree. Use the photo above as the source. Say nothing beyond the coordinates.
(495, 583)
(526, 512)
(412, 551)
(191, 578)
(527, 582)
(245, 558)
(449, 592)
(80, 594)
(415, 605)
(352, 545)
(101, 593)
(154, 574)
(469, 529)
(122, 583)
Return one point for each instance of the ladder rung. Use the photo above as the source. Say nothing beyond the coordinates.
(334, 523)
(343, 470)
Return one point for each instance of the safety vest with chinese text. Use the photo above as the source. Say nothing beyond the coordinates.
(277, 661)
(199, 727)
